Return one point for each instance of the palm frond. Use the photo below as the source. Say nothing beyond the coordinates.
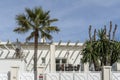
(51, 29)
(45, 34)
(20, 30)
(36, 19)
(31, 36)
(30, 14)
(23, 23)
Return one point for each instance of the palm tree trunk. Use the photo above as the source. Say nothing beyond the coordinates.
(110, 30)
(95, 35)
(114, 32)
(35, 54)
(90, 32)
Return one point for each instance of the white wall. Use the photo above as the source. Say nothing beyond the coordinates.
(6, 64)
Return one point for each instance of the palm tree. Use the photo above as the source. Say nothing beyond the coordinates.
(90, 55)
(104, 51)
(38, 22)
(89, 52)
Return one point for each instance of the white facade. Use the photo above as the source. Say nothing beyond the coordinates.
(52, 57)
(6, 64)
(65, 54)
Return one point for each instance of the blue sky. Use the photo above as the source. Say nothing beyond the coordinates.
(74, 16)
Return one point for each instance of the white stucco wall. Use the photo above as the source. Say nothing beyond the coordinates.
(70, 51)
(6, 64)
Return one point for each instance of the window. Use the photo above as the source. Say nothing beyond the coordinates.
(43, 60)
(64, 61)
(60, 64)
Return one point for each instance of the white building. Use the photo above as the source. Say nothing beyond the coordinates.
(51, 56)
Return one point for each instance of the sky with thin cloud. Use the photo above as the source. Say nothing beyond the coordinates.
(74, 16)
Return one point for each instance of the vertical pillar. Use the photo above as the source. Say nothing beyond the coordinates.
(40, 71)
(52, 58)
(86, 67)
(14, 73)
(117, 66)
(106, 73)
